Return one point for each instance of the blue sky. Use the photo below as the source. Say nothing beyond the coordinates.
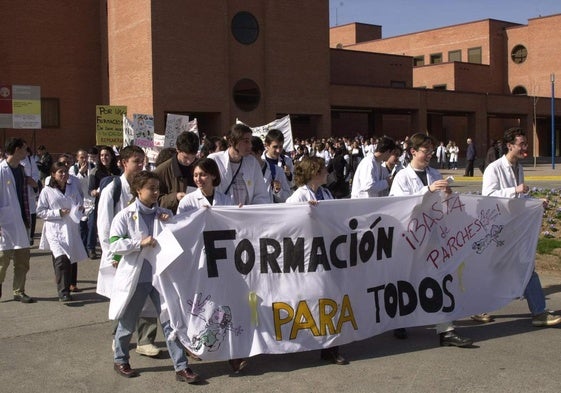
(407, 16)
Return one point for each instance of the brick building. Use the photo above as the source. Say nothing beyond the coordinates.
(260, 59)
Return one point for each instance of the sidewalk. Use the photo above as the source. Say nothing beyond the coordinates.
(54, 347)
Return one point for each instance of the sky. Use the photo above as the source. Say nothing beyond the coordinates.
(408, 16)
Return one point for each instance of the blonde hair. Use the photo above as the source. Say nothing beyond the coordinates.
(306, 169)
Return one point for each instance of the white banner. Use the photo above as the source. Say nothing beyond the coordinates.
(282, 124)
(128, 131)
(143, 130)
(175, 125)
(283, 278)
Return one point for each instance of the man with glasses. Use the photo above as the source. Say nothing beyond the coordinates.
(176, 174)
(418, 178)
(505, 178)
(369, 179)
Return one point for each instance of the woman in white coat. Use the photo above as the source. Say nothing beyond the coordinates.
(206, 176)
(309, 175)
(133, 229)
(59, 206)
(417, 179)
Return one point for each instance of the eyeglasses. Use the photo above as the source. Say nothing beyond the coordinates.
(426, 152)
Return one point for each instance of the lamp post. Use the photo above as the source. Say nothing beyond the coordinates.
(552, 121)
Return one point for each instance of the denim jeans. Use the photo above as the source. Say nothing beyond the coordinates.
(534, 295)
(127, 325)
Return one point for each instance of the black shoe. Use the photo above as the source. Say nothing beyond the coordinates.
(451, 339)
(400, 334)
(237, 364)
(187, 375)
(22, 297)
(125, 370)
(332, 355)
(0, 290)
(65, 298)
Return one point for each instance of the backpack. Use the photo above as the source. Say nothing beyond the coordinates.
(116, 196)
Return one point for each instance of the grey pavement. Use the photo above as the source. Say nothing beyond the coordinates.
(54, 347)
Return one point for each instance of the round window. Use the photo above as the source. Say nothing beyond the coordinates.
(246, 94)
(520, 90)
(245, 28)
(519, 54)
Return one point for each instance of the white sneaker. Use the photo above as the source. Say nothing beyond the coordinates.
(148, 350)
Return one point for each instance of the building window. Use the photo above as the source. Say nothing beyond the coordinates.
(245, 28)
(246, 95)
(436, 58)
(519, 54)
(520, 90)
(474, 55)
(398, 84)
(439, 87)
(418, 61)
(454, 55)
(50, 112)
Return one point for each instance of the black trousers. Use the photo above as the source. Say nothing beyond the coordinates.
(63, 274)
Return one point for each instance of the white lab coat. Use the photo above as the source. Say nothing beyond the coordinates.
(305, 194)
(105, 214)
(285, 191)
(369, 179)
(129, 228)
(89, 201)
(252, 176)
(61, 235)
(196, 199)
(31, 170)
(406, 182)
(13, 233)
(500, 180)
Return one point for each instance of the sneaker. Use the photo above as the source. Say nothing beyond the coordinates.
(148, 350)
(22, 297)
(483, 317)
(545, 319)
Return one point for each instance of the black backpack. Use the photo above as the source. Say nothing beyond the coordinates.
(116, 190)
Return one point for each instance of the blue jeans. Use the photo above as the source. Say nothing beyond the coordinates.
(127, 325)
(534, 295)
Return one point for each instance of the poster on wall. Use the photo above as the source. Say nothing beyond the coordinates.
(109, 124)
(20, 107)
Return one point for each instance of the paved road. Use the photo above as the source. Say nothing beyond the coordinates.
(52, 347)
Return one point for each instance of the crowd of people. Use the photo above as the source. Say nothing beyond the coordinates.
(115, 201)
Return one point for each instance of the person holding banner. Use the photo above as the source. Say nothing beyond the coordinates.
(133, 229)
(369, 179)
(419, 178)
(309, 175)
(176, 174)
(242, 179)
(505, 178)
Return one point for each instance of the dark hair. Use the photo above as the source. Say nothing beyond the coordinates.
(385, 144)
(129, 151)
(306, 169)
(140, 179)
(419, 140)
(187, 142)
(511, 134)
(12, 144)
(236, 133)
(211, 167)
(113, 168)
(164, 155)
(93, 150)
(257, 145)
(55, 167)
(274, 135)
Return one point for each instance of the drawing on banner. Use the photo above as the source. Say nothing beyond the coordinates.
(216, 328)
(175, 125)
(491, 237)
(128, 132)
(143, 130)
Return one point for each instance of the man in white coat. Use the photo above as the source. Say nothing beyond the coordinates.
(132, 160)
(505, 178)
(369, 179)
(241, 174)
(15, 218)
(279, 183)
